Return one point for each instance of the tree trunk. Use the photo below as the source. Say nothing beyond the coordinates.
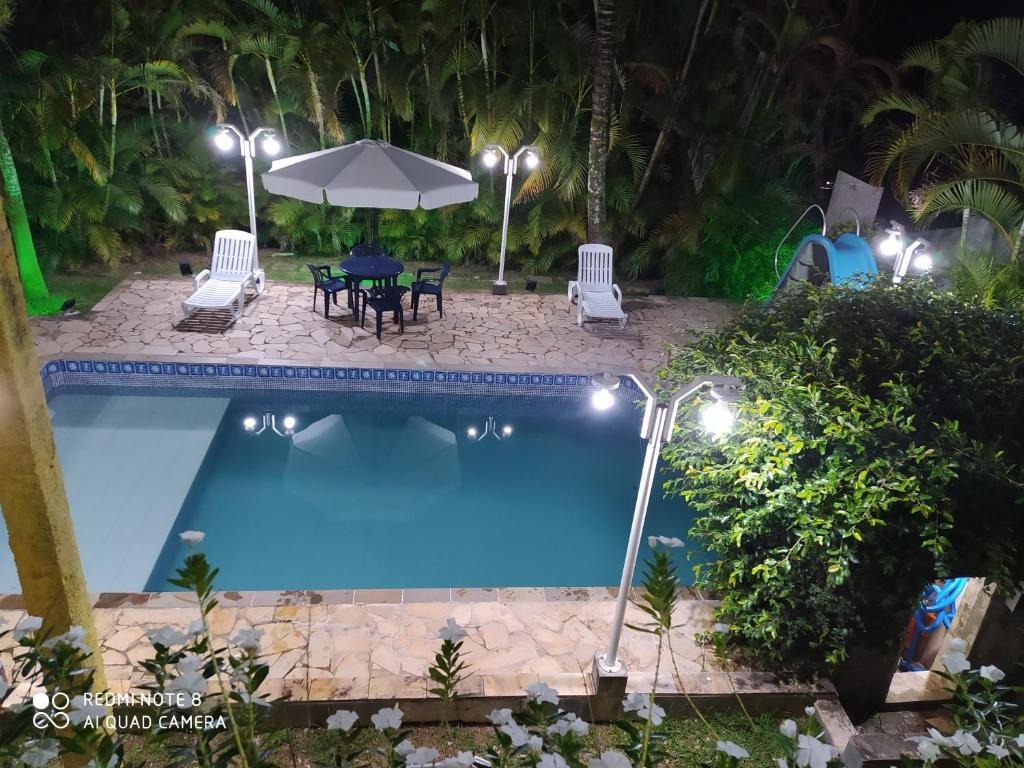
(600, 99)
(674, 103)
(24, 249)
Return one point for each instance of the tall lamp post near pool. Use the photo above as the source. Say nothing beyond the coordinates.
(531, 159)
(225, 142)
(656, 428)
(916, 254)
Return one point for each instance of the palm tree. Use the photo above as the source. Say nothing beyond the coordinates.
(600, 105)
(954, 150)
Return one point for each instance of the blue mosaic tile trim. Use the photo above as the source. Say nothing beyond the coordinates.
(190, 376)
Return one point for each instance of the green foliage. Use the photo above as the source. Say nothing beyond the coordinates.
(878, 446)
(980, 279)
(109, 119)
(947, 145)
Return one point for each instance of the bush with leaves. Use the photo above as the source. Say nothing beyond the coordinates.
(879, 445)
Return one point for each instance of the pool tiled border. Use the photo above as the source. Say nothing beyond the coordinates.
(192, 376)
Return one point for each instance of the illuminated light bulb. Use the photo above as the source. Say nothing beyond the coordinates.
(249, 423)
(471, 432)
(891, 245)
(224, 141)
(923, 262)
(717, 418)
(271, 145)
(288, 422)
(602, 400)
(490, 158)
(506, 430)
(531, 160)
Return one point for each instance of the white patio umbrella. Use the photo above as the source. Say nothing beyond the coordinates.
(370, 174)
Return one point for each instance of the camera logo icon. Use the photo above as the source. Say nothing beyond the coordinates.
(51, 710)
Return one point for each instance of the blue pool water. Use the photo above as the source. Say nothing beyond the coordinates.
(391, 491)
(373, 489)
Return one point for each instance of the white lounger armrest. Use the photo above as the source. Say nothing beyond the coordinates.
(202, 277)
(618, 293)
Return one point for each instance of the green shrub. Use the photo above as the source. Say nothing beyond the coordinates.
(878, 446)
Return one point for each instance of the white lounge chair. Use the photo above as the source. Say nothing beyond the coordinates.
(597, 297)
(233, 269)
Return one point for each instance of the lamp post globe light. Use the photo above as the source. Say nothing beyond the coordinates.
(492, 155)
(225, 140)
(917, 254)
(656, 427)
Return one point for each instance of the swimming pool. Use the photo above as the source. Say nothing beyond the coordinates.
(380, 479)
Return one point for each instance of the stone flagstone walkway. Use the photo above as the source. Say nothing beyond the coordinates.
(522, 331)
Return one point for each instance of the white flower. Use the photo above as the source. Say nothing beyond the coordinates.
(80, 712)
(955, 662)
(992, 672)
(549, 760)
(461, 760)
(610, 759)
(39, 752)
(956, 644)
(500, 716)
(812, 753)
(927, 749)
(998, 750)
(195, 628)
(249, 698)
(388, 717)
(965, 742)
(189, 683)
(404, 748)
(248, 638)
(568, 723)
(451, 632)
(166, 636)
(519, 735)
(190, 663)
(191, 537)
(720, 627)
(788, 729)
(342, 720)
(28, 626)
(810, 711)
(535, 743)
(421, 756)
(732, 749)
(781, 762)
(73, 638)
(1020, 740)
(541, 692)
(671, 542)
(641, 704)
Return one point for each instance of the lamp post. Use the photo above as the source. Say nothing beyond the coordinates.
(905, 255)
(656, 428)
(531, 159)
(225, 142)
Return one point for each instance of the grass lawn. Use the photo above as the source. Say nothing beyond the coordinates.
(91, 284)
(689, 741)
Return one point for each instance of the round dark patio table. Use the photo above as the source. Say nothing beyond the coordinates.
(380, 270)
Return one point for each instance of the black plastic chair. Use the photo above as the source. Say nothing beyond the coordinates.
(384, 300)
(432, 286)
(329, 285)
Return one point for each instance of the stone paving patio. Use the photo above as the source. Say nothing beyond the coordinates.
(530, 331)
(321, 652)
